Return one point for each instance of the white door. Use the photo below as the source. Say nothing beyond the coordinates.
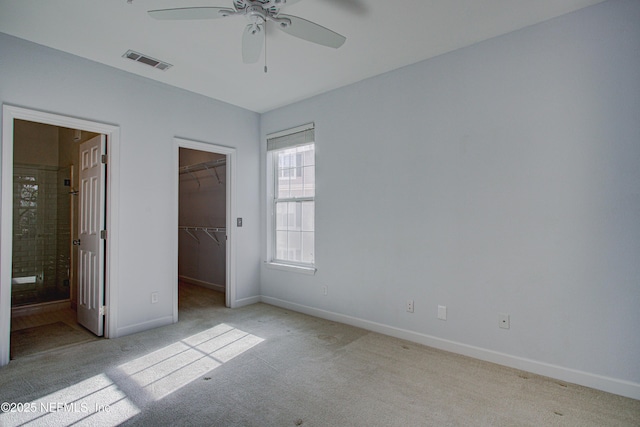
(91, 246)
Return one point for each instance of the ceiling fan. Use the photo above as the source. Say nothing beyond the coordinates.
(257, 13)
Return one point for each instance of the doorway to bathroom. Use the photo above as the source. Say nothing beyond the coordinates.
(56, 263)
(47, 303)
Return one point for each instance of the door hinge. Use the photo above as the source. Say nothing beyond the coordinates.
(104, 159)
(103, 234)
(103, 310)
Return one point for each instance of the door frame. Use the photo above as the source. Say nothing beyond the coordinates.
(9, 114)
(230, 273)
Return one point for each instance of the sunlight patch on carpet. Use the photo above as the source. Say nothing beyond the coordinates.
(95, 401)
(166, 370)
(115, 396)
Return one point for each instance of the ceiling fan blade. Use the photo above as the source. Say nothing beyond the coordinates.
(312, 32)
(252, 42)
(191, 13)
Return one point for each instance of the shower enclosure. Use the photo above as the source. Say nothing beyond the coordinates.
(42, 232)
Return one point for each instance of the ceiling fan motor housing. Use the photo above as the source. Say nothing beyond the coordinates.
(256, 15)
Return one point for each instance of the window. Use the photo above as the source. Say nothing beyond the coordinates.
(291, 156)
(288, 165)
(25, 187)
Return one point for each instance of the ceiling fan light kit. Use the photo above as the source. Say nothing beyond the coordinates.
(257, 13)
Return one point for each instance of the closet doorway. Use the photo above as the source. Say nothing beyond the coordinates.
(204, 237)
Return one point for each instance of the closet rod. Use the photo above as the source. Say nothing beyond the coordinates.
(203, 166)
(209, 231)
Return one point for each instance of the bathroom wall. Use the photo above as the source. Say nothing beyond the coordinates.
(35, 143)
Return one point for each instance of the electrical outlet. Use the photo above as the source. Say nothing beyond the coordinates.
(410, 305)
(154, 297)
(503, 320)
(325, 290)
(442, 312)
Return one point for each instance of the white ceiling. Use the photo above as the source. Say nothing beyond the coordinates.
(382, 35)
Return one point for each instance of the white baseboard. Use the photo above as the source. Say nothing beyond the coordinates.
(599, 382)
(247, 301)
(144, 326)
(214, 286)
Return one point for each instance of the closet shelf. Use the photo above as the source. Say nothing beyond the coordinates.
(209, 166)
(203, 228)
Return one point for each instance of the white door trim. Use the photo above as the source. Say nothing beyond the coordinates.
(230, 291)
(9, 114)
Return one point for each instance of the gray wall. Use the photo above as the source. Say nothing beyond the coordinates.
(503, 177)
(149, 115)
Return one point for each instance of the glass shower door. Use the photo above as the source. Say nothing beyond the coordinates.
(40, 269)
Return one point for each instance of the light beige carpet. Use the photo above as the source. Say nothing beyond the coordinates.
(265, 366)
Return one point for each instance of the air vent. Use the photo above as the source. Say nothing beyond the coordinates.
(139, 57)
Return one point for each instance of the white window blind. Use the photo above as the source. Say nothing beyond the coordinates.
(300, 135)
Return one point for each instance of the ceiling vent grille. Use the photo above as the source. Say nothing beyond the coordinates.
(139, 57)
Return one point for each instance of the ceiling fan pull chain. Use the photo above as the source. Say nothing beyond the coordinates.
(265, 47)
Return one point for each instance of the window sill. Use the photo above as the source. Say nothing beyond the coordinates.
(293, 268)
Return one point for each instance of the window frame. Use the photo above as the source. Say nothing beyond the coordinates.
(272, 176)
